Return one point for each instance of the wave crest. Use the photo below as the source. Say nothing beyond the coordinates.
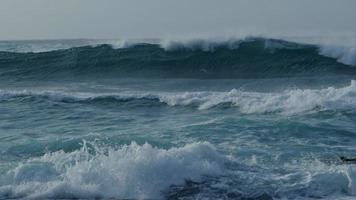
(343, 54)
(290, 101)
(248, 58)
(132, 171)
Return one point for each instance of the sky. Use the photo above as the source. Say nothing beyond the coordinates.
(112, 19)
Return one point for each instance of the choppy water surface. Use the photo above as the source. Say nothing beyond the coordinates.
(77, 132)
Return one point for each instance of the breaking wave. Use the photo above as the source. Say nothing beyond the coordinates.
(194, 171)
(343, 54)
(288, 101)
(129, 172)
(247, 58)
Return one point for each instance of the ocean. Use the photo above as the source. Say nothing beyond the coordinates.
(253, 118)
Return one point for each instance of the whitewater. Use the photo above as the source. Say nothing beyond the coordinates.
(251, 118)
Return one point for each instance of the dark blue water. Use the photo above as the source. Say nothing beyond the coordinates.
(142, 122)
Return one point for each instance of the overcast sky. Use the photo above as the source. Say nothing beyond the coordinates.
(59, 19)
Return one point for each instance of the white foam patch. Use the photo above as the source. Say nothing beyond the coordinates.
(290, 101)
(201, 44)
(323, 180)
(343, 54)
(343, 49)
(287, 102)
(129, 172)
(298, 179)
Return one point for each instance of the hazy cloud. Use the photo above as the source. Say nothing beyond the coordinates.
(28, 19)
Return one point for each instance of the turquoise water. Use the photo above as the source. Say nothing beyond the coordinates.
(152, 138)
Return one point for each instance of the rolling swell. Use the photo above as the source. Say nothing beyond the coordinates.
(253, 58)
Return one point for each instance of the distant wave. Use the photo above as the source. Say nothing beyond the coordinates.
(40, 46)
(344, 54)
(249, 58)
(290, 101)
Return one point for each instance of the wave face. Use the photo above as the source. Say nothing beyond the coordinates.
(249, 58)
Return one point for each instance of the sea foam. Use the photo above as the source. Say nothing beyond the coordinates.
(129, 172)
(343, 54)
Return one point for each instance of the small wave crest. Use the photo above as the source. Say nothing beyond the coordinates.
(290, 101)
(129, 172)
